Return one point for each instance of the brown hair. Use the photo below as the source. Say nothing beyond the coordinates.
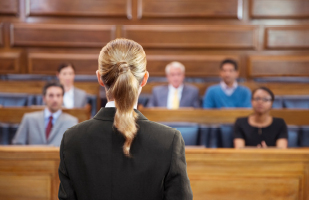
(122, 66)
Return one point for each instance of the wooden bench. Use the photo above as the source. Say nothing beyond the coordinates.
(14, 114)
(32, 173)
(36, 87)
(221, 116)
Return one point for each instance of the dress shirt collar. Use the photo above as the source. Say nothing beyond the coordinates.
(171, 88)
(55, 115)
(111, 104)
(228, 90)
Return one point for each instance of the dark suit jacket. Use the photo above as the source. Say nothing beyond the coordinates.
(93, 166)
(189, 97)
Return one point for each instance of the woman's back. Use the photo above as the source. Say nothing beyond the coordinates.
(93, 165)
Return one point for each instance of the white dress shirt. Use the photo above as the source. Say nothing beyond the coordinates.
(111, 104)
(47, 114)
(170, 95)
(68, 98)
(228, 90)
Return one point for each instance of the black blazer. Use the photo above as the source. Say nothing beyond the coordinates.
(93, 166)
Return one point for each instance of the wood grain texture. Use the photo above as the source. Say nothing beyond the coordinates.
(196, 65)
(9, 62)
(222, 116)
(14, 114)
(201, 37)
(60, 35)
(213, 173)
(288, 37)
(189, 8)
(89, 8)
(1, 34)
(9, 7)
(35, 87)
(279, 9)
(47, 62)
(260, 66)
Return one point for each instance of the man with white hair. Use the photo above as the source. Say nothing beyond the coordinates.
(176, 94)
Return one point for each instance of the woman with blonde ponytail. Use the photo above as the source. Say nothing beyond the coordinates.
(119, 154)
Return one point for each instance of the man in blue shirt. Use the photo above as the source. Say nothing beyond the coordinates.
(227, 94)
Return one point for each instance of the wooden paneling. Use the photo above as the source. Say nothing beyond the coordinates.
(9, 62)
(196, 65)
(248, 174)
(31, 187)
(214, 173)
(279, 8)
(60, 35)
(8, 7)
(278, 66)
(1, 34)
(207, 37)
(14, 114)
(47, 63)
(102, 8)
(190, 8)
(222, 116)
(289, 37)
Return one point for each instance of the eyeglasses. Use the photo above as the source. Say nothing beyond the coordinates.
(262, 99)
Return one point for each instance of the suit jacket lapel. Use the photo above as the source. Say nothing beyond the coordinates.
(75, 97)
(56, 128)
(41, 125)
(164, 96)
(182, 100)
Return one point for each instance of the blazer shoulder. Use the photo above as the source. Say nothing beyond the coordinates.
(160, 88)
(68, 117)
(80, 91)
(34, 115)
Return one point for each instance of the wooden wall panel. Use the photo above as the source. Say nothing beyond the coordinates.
(190, 8)
(61, 35)
(31, 186)
(9, 62)
(196, 65)
(47, 63)
(207, 37)
(8, 7)
(288, 37)
(279, 8)
(1, 34)
(278, 66)
(102, 8)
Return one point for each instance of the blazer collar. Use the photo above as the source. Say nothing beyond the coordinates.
(108, 114)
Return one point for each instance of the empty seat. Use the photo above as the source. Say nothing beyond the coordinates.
(293, 136)
(209, 136)
(189, 131)
(226, 133)
(143, 99)
(15, 99)
(283, 79)
(7, 132)
(29, 77)
(296, 101)
(304, 136)
(278, 103)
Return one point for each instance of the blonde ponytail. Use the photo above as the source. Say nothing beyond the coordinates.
(122, 66)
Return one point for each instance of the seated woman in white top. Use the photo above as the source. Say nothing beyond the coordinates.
(73, 97)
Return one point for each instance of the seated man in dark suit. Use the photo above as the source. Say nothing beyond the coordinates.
(47, 126)
(73, 97)
(176, 94)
